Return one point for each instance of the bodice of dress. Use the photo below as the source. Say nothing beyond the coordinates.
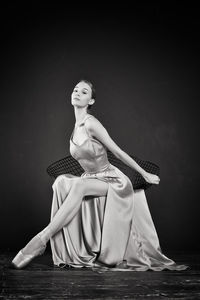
(91, 153)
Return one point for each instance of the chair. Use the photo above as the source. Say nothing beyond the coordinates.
(68, 165)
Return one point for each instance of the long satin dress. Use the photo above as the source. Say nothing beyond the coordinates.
(113, 232)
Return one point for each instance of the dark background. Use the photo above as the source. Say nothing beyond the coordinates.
(144, 62)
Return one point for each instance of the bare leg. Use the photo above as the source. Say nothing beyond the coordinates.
(80, 187)
(61, 186)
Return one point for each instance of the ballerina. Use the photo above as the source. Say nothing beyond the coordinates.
(97, 219)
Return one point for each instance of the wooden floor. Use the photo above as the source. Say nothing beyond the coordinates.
(41, 280)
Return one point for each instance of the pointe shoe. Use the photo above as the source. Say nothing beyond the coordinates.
(21, 259)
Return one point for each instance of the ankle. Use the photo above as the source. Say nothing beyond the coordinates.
(45, 235)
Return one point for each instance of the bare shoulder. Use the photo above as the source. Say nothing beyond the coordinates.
(93, 124)
(91, 121)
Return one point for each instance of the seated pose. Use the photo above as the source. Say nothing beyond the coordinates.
(97, 219)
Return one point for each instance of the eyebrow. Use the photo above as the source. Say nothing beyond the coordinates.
(83, 88)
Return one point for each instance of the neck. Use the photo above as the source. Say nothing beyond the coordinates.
(79, 115)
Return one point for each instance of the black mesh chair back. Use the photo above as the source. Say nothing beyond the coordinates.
(68, 165)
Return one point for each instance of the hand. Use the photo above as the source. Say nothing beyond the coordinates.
(151, 178)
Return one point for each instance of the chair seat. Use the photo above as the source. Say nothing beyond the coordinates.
(71, 166)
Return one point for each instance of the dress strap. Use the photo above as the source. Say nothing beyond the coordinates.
(87, 117)
(82, 124)
(84, 119)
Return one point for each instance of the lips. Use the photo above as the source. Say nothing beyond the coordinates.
(76, 98)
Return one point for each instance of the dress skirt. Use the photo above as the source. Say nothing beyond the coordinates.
(113, 232)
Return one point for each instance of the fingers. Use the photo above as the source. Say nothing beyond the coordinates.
(158, 181)
(154, 179)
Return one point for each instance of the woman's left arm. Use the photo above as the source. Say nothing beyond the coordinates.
(97, 130)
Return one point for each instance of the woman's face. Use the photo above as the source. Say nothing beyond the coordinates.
(82, 95)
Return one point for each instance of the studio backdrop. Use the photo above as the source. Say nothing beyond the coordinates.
(147, 94)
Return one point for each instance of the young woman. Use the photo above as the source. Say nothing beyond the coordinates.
(97, 219)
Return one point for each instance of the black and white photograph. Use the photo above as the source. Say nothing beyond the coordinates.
(100, 151)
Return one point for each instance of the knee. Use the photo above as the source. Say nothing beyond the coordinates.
(58, 179)
(58, 182)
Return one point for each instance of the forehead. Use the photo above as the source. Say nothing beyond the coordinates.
(83, 85)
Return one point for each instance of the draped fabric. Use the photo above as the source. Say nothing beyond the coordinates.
(111, 232)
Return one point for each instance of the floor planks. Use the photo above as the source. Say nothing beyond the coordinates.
(41, 280)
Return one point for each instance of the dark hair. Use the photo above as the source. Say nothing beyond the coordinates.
(92, 89)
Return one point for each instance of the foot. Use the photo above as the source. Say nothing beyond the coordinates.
(34, 248)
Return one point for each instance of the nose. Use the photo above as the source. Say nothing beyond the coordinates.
(77, 93)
